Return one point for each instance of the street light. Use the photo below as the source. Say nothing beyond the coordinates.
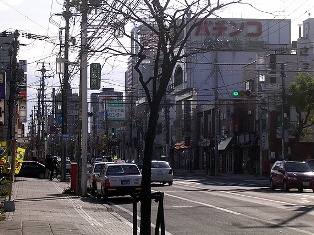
(60, 65)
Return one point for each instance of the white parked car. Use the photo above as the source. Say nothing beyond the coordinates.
(161, 172)
(118, 179)
(93, 175)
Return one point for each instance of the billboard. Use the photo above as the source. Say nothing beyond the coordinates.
(241, 34)
(115, 110)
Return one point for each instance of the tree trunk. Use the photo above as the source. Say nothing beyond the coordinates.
(146, 172)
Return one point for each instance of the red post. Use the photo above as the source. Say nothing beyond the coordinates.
(73, 176)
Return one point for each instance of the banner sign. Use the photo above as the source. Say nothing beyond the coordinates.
(19, 159)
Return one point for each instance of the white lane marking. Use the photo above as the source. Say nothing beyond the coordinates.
(248, 196)
(138, 218)
(236, 213)
(259, 198)
(205, 204)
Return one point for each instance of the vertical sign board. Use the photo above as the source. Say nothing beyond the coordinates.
(2, 98)
(115, 110)
(23, 92)
(264, 140)
(95, 76)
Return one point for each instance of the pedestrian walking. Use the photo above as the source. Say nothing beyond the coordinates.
(48, 162)
(53, 167)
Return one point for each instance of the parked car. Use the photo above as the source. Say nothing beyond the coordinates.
(291, 174)
(161, 172)
(138, 162)
(93, 175)
(32, 169)
(118, 179)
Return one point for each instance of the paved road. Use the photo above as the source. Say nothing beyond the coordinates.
(232, 206)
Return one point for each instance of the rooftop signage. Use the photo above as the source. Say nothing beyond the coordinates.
(241, 34)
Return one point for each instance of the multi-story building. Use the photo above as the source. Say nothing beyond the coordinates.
(202, 87)
(12, 78)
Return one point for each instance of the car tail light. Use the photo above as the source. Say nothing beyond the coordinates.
(94, 178)
(107, 183)
(170, 171)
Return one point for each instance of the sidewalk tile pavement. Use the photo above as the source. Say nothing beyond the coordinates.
(42, 208)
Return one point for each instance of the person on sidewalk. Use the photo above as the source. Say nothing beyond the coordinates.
(53, 167)
(48, 162)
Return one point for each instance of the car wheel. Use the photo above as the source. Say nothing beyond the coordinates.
(41, 176)
(285, 186)
(92, 191)
(170, 183)
(300, 190)
(104, 195)
(272, 186)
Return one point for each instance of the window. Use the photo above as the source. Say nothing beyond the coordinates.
(160, 165)
(123, 170)
(178, 76)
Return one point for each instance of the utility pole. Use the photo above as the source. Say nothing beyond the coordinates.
(283, 113)
(65, 88)
(216, 113)
(42, 114)
(54, 117)
(13, 88)
(83, 96)
(12, 99)
(38, 116)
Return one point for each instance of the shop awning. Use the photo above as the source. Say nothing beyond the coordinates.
(224, 143)
(181, 145)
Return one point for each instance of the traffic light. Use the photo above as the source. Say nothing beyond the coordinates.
(113, 133)
(238, 94)
(235, 94)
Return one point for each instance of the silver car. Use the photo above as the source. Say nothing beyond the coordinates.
(161, 172)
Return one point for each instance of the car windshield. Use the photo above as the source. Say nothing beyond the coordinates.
(160, 165)
(297, 167)
(98, 168)
(123, 170)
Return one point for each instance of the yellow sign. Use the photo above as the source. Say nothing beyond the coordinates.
(3, 146)
(19, 159)
(3, 157)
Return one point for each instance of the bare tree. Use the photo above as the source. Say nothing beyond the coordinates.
(170, 24)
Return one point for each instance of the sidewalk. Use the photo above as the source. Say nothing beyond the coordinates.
(41, 208)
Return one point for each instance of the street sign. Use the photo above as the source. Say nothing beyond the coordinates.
(95, 76)
(59, 120)
(115, 110)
